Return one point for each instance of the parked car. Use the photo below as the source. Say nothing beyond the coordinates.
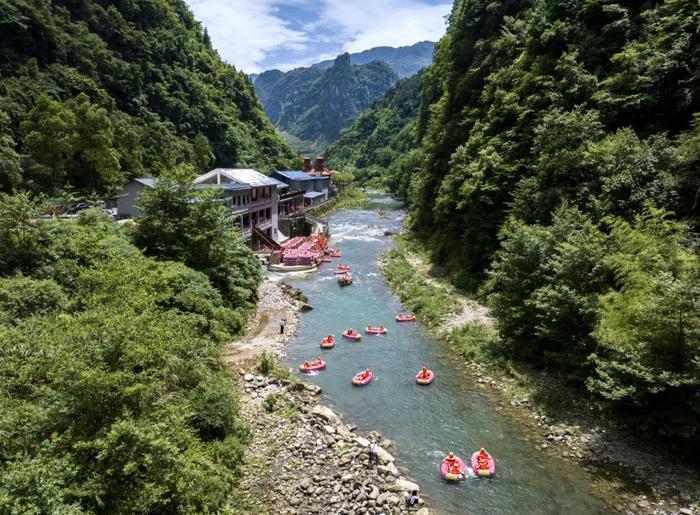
(80, 206)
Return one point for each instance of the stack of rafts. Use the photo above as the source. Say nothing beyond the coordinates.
(304, 251)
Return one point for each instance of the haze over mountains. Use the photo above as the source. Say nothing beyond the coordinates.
(310, 106)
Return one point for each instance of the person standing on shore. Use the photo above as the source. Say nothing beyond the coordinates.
(372, 452)
(283, 321)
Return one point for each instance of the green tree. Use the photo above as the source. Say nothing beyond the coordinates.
(19, 231)
(544, 286)
(184, 224)
(202, 153)
(94, 161)
(49, 134)
(649, 328)
(10, 168)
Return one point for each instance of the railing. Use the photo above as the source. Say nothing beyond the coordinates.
(265, 239)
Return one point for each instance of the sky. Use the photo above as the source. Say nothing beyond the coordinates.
(258, 35)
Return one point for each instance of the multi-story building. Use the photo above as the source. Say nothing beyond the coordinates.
(250, 195)
(316, 187)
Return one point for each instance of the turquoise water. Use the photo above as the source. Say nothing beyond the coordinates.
(425, 422)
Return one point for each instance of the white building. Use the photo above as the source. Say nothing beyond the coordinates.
(251, 195)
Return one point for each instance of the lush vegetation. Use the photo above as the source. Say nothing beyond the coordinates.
(404, 60)
(314, 104)
(348, 197)
(113, 398)
(95, 92)
(555, 169)
(379, 146)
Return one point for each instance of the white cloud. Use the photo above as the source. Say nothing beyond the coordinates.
(366, 24)
(306, 61)
(245, 31)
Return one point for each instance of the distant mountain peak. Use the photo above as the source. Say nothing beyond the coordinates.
(404, 60)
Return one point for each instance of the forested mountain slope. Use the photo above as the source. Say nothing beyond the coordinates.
(94, 91)
(405, 60)
(557, 170)
(380, 143)
(314, 104)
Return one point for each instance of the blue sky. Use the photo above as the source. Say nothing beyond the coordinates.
(257, 35)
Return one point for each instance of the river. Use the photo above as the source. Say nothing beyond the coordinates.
(452, 414)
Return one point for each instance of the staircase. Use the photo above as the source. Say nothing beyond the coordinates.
(267, 241)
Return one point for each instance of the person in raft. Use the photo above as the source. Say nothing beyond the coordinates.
(364, 374)
(381, 327)
(423, 373)
(482, 459)
(307, 364)
(350, 332)
(451, 460)
(329, 337)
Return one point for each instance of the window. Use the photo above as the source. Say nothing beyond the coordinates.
(267, 214)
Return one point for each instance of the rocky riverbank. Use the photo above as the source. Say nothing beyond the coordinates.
(560, 422)
(304, 459)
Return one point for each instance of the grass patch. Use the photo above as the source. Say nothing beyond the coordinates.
(269, 365)
(428, 301)
(279, 403)
(351, 197)
(476, 342)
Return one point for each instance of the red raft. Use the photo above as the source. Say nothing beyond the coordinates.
(410, 317)
(362, 378)
(328, 342)
(483, 464)
(426, 378)
(453, 469)
(317, 364)
(375, 330)
(352, 335)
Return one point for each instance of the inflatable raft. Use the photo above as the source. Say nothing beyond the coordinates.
(425, 380)
(406, 318)
(488, 471)
(375, 330)
(355, 336)
(360, 379)
(328, 343)
(447, 472)
(345, 280)
(313, 365)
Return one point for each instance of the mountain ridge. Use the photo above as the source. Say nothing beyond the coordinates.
(315, 104)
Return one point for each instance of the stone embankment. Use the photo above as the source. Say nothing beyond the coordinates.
(304, 459)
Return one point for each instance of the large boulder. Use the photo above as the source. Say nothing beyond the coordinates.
(326, 414)
(404, 485)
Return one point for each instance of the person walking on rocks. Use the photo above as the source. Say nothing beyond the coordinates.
(373, 455)
(283, 321)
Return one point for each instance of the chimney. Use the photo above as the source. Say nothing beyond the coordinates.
(307, 164)
(320, 167)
